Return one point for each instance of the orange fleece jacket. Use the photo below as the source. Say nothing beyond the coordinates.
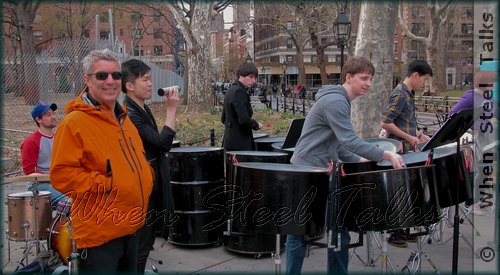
(99, 161)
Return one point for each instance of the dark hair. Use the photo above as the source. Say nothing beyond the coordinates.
(247, 69)
(419, 66)
(356, 65)
(132, 70)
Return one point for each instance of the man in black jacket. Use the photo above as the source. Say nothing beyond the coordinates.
(137, 85)
(237, 112)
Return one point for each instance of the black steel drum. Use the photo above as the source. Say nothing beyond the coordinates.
(388, 199)
(176, 143)
(280, 198)
(197, 178)
(446, 184)
(238, 238)
(265, 143)
(259, 135)
(278, 147)
(386, 144)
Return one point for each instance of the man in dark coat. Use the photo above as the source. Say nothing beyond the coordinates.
(136, 83)
(237, 112)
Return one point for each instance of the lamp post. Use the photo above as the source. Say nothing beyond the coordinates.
(283, 84)
(342, 32)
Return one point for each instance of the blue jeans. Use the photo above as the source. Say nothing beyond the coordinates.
(337, 262)
(296, 249)
(56, 195)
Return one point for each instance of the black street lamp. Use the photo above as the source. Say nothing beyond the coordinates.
(249, 58)
(283, 82)
(342, 32)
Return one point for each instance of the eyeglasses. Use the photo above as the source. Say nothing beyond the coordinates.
(104, 75)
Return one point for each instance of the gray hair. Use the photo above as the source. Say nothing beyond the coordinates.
(97, 55)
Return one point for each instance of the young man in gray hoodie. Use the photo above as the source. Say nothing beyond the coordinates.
(328, 136)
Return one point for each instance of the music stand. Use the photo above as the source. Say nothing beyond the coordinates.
(293, 134)
(451, 131)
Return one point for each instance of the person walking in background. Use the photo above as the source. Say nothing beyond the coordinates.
(400, 121)
(237, 112)
(98, 159)
(275, 90)
(473, 99)
(36, 149)
(328, 136)
(137, 85)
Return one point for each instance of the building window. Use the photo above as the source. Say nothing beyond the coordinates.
(289, 43)
(314, 58)
(468, 12)
(450, 79)
(104, 34)
(37, 35)
(467, 29)
(289, 25)
(138, 50)
(158, 50)
(121, 32)
(137, 33)
(157, 33)
(418, 28)
(86, 33)
(417, 12)
(136, 17)
(289, 58)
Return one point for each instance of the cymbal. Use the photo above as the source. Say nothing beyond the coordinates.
(30, 177)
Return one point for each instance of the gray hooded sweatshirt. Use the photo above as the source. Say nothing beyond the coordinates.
(328, 134)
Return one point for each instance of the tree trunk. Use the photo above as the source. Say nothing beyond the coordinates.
(377, 25)
(25, 12)
(199, 68)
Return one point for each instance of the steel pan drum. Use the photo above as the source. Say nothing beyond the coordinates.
(281, 198)
(446, 183)
(240, 239)
(259, 135)
(197, 178)
(21, 212)
(278, 147)
(265, 143)
(386, 144)
(387, 199)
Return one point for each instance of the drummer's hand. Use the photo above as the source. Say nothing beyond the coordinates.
(395, 159)
(424, 138)
(413, 140)
(260, 125)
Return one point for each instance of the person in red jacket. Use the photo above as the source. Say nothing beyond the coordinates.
(36, 149)
(98, 160)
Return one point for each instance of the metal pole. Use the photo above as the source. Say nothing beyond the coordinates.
(341, 56)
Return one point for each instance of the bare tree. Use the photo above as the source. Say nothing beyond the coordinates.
(377, 26)
(435, 42)
(193, 18)
(19, 17)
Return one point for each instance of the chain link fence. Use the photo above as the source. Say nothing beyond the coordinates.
(54, 75)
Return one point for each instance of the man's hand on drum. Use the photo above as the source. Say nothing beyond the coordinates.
(395, 159)
(413, 140)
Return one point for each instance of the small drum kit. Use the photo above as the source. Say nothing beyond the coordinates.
(30, 221)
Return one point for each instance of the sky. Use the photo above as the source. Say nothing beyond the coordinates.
(228, 17)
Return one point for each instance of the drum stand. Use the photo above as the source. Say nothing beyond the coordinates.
(369, 252)
(414, 264)
(277, 255)
(36, 242)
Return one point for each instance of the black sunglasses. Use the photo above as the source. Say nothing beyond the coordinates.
(104, 75)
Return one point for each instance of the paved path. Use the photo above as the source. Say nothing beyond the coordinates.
(178, 259)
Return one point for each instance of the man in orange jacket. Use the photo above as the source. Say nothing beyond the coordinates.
(98, 160)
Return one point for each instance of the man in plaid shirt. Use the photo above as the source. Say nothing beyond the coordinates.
(399, 118)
